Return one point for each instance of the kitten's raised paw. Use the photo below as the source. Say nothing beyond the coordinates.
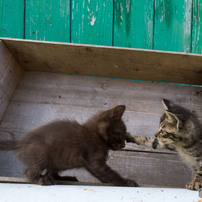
(131, 183)
(130, 138)
(194, 185)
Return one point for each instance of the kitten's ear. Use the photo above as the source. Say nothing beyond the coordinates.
(117, 112)
(166, 104)
(174, 119)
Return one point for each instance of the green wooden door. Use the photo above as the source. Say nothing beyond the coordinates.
(169, 25)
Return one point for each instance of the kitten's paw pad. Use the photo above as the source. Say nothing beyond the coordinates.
(194, 185)
(131, 183)
(45, 180)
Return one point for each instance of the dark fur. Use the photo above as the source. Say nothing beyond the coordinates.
(63, 145)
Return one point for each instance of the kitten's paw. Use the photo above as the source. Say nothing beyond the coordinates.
(131, 183)
(194, 185)
(130, 138)
(196, 182)
(46, 180)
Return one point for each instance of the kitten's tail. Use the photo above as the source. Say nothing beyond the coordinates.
(9, 145)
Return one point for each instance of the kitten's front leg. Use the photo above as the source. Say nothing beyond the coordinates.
(149, 142)
(196, 182)
(105, 174)
(142, 140)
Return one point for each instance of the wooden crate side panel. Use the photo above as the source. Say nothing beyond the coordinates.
(48, 20)
(107, 62)
(172, 29)
(197, 27)
(12, 18)
(133, 23)
(37, 101)
(10, 73)
(92, 22)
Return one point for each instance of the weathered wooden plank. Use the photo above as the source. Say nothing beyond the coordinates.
(12, 18)
(148, 169)
(196, 27)
(172, 29)
(10, 73)
(133, 23)
(48, 20)
(36, 100)
(107, 61)
(23, 117)
(102, 92)
(31, 117)
(92, 22)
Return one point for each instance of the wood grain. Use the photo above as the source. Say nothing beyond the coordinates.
(148, 169)
(92, 22)
(107, 62)
(10, 73)
(133, 23)
(48, 20)
(37, 101)
(172, 29)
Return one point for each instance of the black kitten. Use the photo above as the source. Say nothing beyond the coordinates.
(63, 145)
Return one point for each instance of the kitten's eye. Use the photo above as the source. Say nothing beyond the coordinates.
(167, 135)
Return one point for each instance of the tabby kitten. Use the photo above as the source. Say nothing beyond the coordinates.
(63, 145)
(179, 130)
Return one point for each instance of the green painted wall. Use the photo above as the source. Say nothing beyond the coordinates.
(170, 25)
(92, 22)
(47, 20)
(133, 23)
(172, 30)
(12, 18)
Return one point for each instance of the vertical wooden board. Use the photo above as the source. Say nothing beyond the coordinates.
(12, 18)
(197, 27)
(92, 22)
(172, 29)
(48, 20)
(133, 23)
(10, 74)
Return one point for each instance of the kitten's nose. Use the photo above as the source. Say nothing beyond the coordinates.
(156, 134)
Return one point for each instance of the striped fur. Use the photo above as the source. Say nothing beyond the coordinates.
(179, 130)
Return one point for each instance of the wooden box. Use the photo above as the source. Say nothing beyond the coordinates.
(43, 81)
